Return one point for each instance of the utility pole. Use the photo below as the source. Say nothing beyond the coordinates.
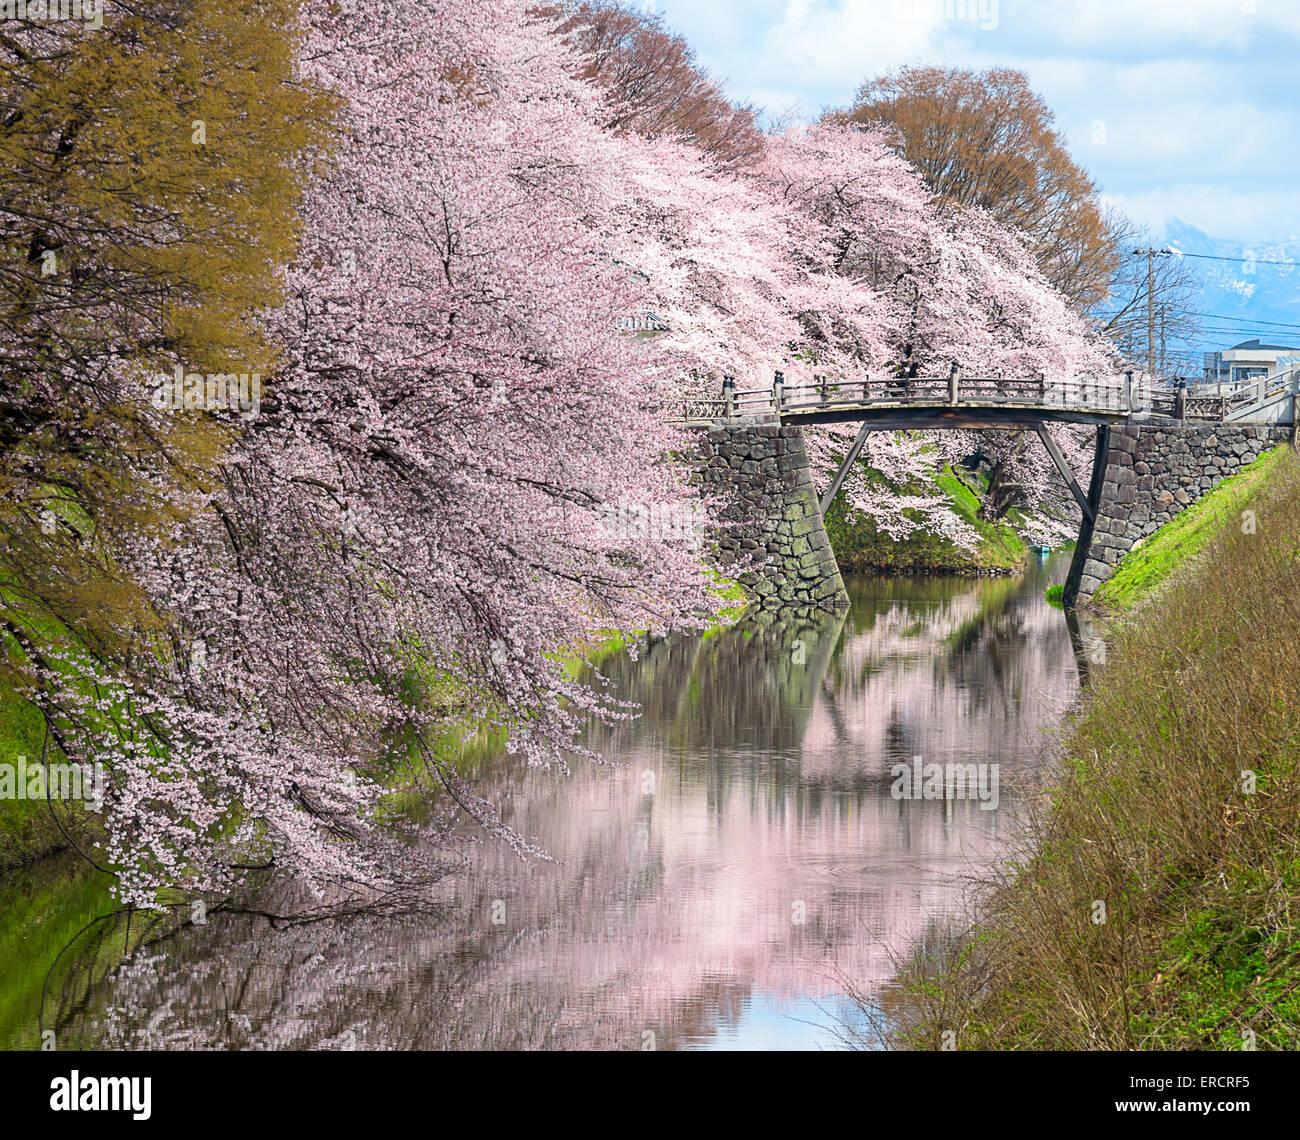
(1151, 255)
(1151, 314)
(1163, 310)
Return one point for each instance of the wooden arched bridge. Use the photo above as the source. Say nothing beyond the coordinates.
(1158, 447)
(956, 400)
(980, 402)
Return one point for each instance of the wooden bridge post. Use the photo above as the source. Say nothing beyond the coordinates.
(1096, 492)
(778, 393)
(821, 385)
(1042, 388)
(1128, 390)
(954, 383)
(866, 388)
(729, 397)
(845, 467)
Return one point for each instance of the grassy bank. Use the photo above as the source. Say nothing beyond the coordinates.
(26, 830)
(1181, 540)
(859, 546)
(1155, 903)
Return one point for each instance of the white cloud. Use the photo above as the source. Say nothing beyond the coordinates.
(1150, 27)
(1143, 140)
(843, 44)
(1195, 96)
(1246, 215)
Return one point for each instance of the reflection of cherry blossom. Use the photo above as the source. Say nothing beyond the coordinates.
(763, 860)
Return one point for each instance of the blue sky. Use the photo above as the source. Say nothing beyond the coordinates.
(1186, 110)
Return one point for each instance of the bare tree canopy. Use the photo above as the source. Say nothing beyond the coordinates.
(1150, 308)
(653, 85)
(988, 140)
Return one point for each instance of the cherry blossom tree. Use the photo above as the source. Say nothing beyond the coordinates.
(455, 472)
(831, 258)
(459, 467)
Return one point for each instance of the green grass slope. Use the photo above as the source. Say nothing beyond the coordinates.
(26, 830)
(859, 546)
(1177, 543)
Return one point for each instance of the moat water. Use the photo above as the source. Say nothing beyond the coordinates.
(741, 875)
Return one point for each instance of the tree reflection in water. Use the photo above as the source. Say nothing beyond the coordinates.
(738, 868)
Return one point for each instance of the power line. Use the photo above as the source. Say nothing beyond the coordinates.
(1237, 330)
(1213, 257)
(1262, 335)
(1250, 321)
(1199, 348)
(1226, 317)
(1172, 340)
(1243, 260)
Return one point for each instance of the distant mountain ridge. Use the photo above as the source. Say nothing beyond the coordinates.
(1246, 294)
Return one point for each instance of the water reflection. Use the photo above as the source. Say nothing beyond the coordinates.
(1089, 643)
(713, 888)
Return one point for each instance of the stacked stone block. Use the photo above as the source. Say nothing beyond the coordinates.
(769, 516)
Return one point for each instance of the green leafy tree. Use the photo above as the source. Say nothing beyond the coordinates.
(150, 172)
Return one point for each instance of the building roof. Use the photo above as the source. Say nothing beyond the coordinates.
(1255, 346)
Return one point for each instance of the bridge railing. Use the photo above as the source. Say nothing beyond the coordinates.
(1090, 393)
(702, 409)
(1233, 401)
(1117, 395)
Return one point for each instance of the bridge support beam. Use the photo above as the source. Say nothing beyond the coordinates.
(1096, 491)
(849, 460)
(1089, 509)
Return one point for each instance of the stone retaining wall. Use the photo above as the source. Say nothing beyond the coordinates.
(770, 512)
(1152, 474)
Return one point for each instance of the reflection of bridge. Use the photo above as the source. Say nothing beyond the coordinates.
(1227, 420)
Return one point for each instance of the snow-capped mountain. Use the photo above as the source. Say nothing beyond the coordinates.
(1247, 295)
